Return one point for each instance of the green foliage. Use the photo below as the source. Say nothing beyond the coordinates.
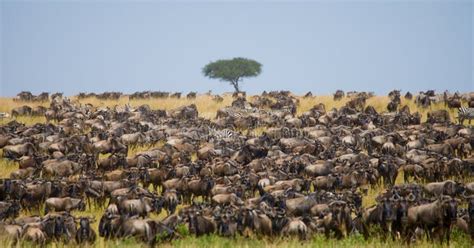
(182, 230)
(232, 70)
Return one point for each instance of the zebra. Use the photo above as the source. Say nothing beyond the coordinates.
(221, 134)
(4, 115)
(465, 113)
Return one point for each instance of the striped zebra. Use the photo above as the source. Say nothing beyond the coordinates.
(4, 115)
(222, 133)
(465, 113)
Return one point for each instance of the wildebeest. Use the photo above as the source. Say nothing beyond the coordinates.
(191, 95)
(438, 116)
(64, 204)
(60, 168)
(201, 225)
(338, 95)
(21, 111)
(17, 151)
(382, 214)
(440, 214)
(140, 207)
(85, 234)
(249, 170)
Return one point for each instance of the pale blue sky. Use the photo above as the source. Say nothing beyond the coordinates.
(74, 46)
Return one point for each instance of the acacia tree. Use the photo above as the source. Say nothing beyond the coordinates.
(232, 70)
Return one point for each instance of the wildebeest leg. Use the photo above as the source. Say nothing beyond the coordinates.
(46, 210)
(338, 233)
(393, 232)
(406, 236)
(384, 228)
(327, 232)
(471, 231)
(416, 177)
(429, 233)
(365, 231)
(446, 230)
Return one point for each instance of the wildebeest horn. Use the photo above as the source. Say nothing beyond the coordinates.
(334, 203)
(395, 197)
(281, 211)
(466, 196)
(411, 197)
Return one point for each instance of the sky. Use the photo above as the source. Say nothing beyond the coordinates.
(318, 46)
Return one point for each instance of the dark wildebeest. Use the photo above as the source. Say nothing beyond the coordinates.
(381, 214)
(85, 234)
(338, 95)
(435, 216)
(21, 111)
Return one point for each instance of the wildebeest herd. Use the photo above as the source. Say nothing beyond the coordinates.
(258, 169)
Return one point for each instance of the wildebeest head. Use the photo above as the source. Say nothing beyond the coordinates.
(224, 221)
(109, 224)
(84, 222)
(158, 203)
(75, 190)
(400, 208)
(450, 207)
(387, 210)
(279, 220)
(244, 219)
(7, 186)
(192, 222)
(144, 175)
(340, 214)
(337, 180)
(460, 188)
(12, 210)
(59, 227)
(306, 185)
(17, 190)
(268, 198)
(336, 208)
(54, 226)
(450, 188)
(207, 184)
(118, 147)
(81, 205)
(104, 224)
(56, 187)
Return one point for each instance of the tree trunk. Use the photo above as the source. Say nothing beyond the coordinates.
(236, 86)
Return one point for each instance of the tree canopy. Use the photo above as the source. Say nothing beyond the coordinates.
(232, 70)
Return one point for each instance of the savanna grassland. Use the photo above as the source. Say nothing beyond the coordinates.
(207, 108)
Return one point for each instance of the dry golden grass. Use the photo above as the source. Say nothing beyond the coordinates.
(7, 104)
(207, 107)
(378, 102)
